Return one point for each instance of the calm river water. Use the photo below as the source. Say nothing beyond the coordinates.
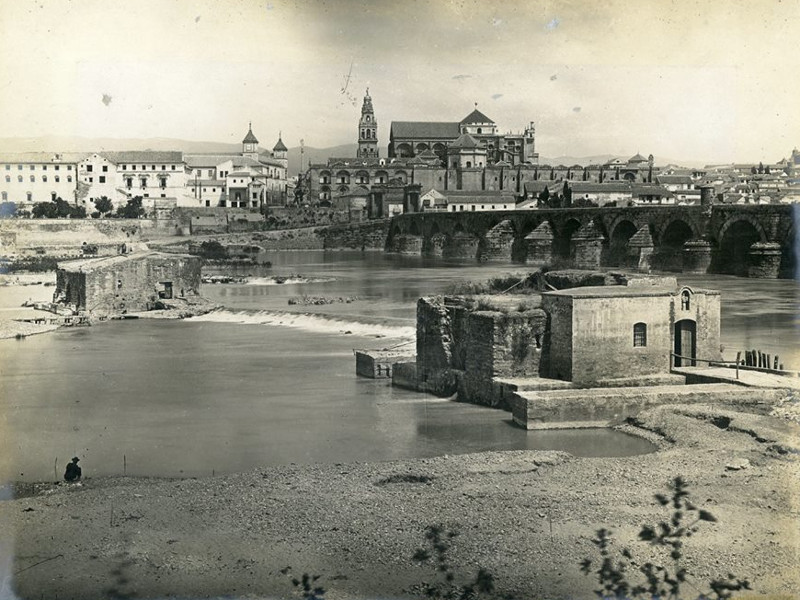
(263, 382)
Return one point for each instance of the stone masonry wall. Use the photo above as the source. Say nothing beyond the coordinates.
(132, 285)
(369, 235)
(603, 338)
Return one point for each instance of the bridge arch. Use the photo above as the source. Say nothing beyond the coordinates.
(624, 230)
(672, 227)
(563, 237)
(735, 239)
(670, 241)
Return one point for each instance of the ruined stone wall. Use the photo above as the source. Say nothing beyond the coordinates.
(65, 237)
(369, 235)
(558, 342)
(133, 284)
(70, 288)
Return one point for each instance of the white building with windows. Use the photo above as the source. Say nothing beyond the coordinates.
(30, 177)
(251, 179)
(120, 176)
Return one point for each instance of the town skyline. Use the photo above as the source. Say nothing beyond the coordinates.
(687, 81)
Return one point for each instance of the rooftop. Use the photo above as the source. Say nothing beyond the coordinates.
(425, 129)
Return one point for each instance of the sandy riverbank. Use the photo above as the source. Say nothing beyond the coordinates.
(528, 517)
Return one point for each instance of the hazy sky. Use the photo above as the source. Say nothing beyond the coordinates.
(709, 80)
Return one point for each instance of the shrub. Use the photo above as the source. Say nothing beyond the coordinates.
(614, 577)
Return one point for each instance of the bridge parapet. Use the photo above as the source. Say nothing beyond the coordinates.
(718, 238)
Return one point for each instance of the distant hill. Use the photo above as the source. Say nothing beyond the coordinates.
(310, 155)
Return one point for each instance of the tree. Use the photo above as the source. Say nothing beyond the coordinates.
(132, 210)
(543, 198)
(45, 210)
(567, 195)
(103, 205)
(760, 167)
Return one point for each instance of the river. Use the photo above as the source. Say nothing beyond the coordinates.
(263, 382)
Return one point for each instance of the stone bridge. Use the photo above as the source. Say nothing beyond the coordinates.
(754, 241)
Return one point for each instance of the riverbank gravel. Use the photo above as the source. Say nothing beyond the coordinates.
(528, 517)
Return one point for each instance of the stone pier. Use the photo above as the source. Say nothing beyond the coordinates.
(498, 243)
(765, 260)
(462, 245)
(640, 249)
(696, 256)
(587, 247)
(539, 245)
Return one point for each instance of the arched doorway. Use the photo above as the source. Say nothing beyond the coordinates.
(734, 248)
(685, 343)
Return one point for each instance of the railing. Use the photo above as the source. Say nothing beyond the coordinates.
(724, 363)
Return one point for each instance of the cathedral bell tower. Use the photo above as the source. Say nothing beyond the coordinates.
(367, 130)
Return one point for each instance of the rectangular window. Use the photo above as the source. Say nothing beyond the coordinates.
(124, 167)
(33, 167)
(89, 168)
(58, 178)
(173, 167)
(105, 168)
(29, 196)
(44, 167)
(102, 178)
(19, 167)
(8, 167)
(91, 179)
(69, 167)
(5, 196)
(69, 178)
(154, 167)
(163, 182)
(8, 178)
(58, 167)
(44, 178)
(163, 167)
(33, 178)
(211, 172)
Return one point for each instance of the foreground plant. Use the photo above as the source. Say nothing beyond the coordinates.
(439, 541)
(661, 582)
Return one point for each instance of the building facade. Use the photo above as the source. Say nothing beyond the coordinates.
(251, 179)
(30, 177)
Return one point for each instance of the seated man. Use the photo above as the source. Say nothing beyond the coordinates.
(73, 471)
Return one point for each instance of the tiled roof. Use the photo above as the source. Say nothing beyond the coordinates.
(463, 197)
(587, 187)
(143, 156)
(650, 190)
(637, 158)
(280, 146)
(476, 116)
(43, 157)
(425, 129)
(465, 140)
(682, 179)
(207, 160)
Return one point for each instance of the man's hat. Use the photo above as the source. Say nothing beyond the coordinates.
(75, 459)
